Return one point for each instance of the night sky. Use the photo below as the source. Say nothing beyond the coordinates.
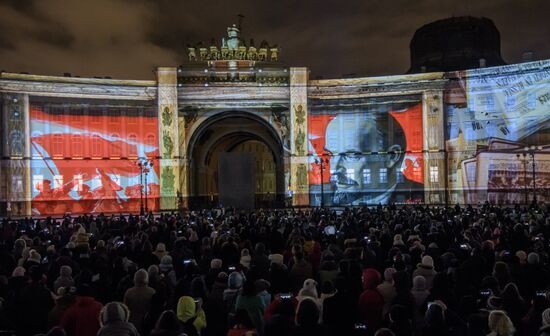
(128, 38)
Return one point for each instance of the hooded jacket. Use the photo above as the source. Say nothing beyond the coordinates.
(138, 298)
(371, 302)
(234, 282)
(114, 321)
(187, 311)
(65, 279)
(82, 318)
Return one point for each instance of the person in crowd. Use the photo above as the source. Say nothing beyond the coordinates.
(500, 324)
(191, 315)
(241, 324)
(545, 328)
(82, 318)
(138, 298)
(235, 283)
(307, 319)
(387, 289)
(65, 278)
(426, 269)
(114, 321)
(253, 304)
(33, 305)
(470, 260)
(65, 299)
(167, 325)
(420, 294)
(371, 302)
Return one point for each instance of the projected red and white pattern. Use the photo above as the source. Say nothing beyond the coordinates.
(88, 164)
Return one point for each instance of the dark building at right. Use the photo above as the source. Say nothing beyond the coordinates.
(456, 43)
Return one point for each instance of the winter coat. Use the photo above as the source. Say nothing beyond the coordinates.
(371, 301)
(301, 271)
(119, 328)
(328, 271)
(63, 281)
(114, 321)
(279, 279)
(191, 315)
(255, 307)
(32, 309)
(82, 318)
(61, 305)
(138, 300)
(427, 272)
(544, 331)
(387, 290)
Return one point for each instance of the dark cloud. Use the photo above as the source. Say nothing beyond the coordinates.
(128, 38)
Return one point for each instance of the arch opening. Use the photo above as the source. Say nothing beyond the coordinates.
(235, 160)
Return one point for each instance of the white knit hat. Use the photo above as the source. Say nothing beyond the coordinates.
(427, 261)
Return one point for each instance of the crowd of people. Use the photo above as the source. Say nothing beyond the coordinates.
(385, 270)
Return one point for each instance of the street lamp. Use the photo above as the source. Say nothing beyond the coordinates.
(321, 162)
(145, 165)
(531, 151)
(524, 161)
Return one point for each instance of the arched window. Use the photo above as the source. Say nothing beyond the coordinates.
(96, 146)
(132, 145)
(57, 145)
(76, 145)
(151, 141)
(116, 144)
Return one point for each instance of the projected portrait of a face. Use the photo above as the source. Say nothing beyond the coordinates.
(369, 156)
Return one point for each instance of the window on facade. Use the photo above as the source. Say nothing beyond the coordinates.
(383, 175)
(150, 141)
(366, 176)
(37, 182)
(57, 181)
(57, 144)
(434, 174)
(17, 184)
(132, 145)
(332, 177)
(76, 145)
(350, 173)
(78, 182)
(417, 173)
(399, 176)
(115, 146)
(96, 146)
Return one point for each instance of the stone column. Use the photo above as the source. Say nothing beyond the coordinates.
(434, 147)
(17, 152)
(183, 165)
(168, 137)
(298, 136)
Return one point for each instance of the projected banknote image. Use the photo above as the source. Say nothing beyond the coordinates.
(88, 163)
(369, 154)
(499, 131)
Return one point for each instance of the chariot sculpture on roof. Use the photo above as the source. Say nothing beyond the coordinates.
(233, 47)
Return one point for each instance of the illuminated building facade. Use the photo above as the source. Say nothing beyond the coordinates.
(235, 127)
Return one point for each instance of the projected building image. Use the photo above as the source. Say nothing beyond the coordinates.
(235, 126)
